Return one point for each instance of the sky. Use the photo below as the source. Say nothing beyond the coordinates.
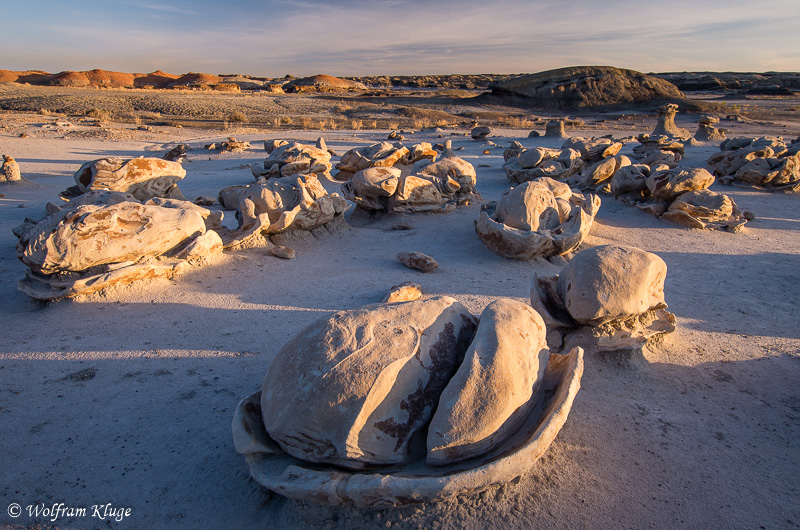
(272, 38)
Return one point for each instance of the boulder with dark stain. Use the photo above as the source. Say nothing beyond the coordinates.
(354, 389)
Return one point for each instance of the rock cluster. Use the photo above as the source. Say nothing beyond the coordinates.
(609, 299)
(530, 164)
(268, 207)
(766, 163)
(655, 150)
(436, 187)
(537, 219)
(294, 158)
(678, 195)
(599, 159)
(105, 238)
(144, 178)
(383, 154)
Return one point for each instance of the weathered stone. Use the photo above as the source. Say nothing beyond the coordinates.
(630, 179)
(612, 283)
(415, 192)
(603, 171)
(353, 389)
(282, 252)
(656, 150)
(295, 479)
(496, 387)
(558, 225)
(205, 200)
(555, 129)
(144, 178)
(667, 185)
(9, 171)
(177, 153)
(405, 292)
(706, 132)
(666, 123)
(480, 133)
(540, 162)
(295, 158)
(593, 150)
(417, 260)
(371, 188)
(383, 154)
(271, 145)
(705, 209)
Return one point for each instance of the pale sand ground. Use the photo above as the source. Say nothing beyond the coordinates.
(127, 397)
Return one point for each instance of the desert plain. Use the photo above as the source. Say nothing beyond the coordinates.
(125, 396)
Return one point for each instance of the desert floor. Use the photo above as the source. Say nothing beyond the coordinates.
(126, 397)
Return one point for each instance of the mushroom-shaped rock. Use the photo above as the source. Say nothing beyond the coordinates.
(706, 132)
(9, 171)
(354, 389)
(496, 386)
(531, 221)
(668, 184)
(144, 178)
(666, 122)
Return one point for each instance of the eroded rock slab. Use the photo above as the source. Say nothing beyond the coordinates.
(144, 178)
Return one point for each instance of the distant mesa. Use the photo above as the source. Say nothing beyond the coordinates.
(587, 86)
(322, 83)
(195, 80)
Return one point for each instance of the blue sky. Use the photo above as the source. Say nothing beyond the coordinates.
(272, 38)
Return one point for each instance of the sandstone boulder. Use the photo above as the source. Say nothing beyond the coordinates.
(404, 292)
(417, 260)
(495, 388)
(480, 133)
(383, 154)
(555, 129)
(765, 163)
(707, 132)
(667, 185)
(666, 123)
(355, 388)
(295, 159)
(371, 188)
(539, 162)
(144, 178)
(656, 150)
(705, 209)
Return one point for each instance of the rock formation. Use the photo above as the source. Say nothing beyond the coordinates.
(107, 238)
(765, 163)
(706, 132)
(657, 150)
(9, 171)
(295, 159)
(587, 86)
(609, 299)
(437, 187)
(666, 123)
(144, 178)
(531, 164)
(417, 260)
(480, 133)
(358, 389)
(404, 292)
(278, 205)
(322, 83)
(383, 154)
(540, 218)
(555, 129)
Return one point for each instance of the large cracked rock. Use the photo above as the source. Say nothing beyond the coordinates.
(109, 238)
(346, 413)
(540, 218)
(355, 388)
(609, 299)
(278, 205)
(144, 178)
(496, 387)
(765, 163)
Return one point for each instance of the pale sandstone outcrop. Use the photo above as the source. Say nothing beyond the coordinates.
(555, 129)
(540, 218)
(383, 154)
(144, 178)
(278, 205)
(107, 238)
(609, 299)
(337, 394)
(9, 171)
(496, 387)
